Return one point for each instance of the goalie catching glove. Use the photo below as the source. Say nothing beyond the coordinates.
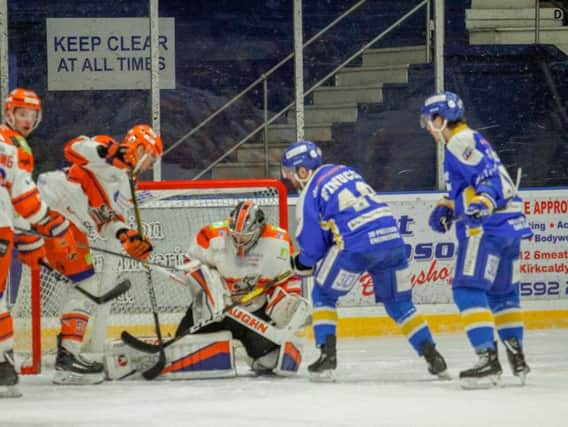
(135, 245)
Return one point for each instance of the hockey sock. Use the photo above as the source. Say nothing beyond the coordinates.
(324, 315)
(410, 322)
(476, 316)
(75, 317)
(508, 314)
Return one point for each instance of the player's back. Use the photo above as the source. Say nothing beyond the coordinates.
(471, 158)
(350, 208)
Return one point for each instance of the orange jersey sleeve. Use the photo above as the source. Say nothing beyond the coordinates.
(25, 156)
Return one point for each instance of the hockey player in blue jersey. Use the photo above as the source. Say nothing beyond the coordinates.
(344, 230)
(483, 202)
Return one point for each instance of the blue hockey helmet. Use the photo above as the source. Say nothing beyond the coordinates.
(298, 154)
(447, 105)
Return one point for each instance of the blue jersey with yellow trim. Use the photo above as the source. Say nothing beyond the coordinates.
(337, 207)
(471, 167)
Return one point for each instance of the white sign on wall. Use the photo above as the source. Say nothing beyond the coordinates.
(107, 53)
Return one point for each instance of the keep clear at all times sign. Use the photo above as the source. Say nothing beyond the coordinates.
(107, 53)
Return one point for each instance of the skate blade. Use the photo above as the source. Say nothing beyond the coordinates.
(327, 376)
(445, 375)
(522, 377)
(9, 391)
(73, 378)
(489, 381)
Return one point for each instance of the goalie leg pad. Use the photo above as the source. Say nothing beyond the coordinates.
(192, 357)
(289, 359)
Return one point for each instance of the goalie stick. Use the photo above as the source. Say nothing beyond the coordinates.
(111, 294)
(143, 346)
(243, 316)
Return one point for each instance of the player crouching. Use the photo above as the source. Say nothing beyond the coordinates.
(227, 261)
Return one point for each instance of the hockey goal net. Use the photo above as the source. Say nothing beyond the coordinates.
(172, 212)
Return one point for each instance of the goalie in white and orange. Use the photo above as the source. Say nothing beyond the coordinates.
(95, 195)
(226, 261)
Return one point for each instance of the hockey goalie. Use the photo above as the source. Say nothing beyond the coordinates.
(226, 261)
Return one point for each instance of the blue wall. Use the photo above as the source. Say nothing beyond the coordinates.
(222, 46)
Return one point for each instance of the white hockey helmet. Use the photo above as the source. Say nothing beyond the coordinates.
(246, 223)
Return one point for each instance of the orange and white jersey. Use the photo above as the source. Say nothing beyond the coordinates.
(25, 155)
(92, 193)
(19, 194)
(269, 257)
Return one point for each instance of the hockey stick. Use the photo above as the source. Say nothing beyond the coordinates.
(155, 370)
(143, 346)
(92, 248)
(111, 294)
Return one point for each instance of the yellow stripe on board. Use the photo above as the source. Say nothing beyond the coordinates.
(354, 327)
(347, 327)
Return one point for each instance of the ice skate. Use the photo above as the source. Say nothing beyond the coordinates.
(74, 369)
(323, 369)
(516, 358)
(436, 363)
(8, 377)
(485, 374)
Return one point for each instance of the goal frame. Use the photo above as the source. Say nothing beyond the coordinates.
(34, 367)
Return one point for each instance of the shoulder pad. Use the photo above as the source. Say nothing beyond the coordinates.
(462, 146)
(275, 233)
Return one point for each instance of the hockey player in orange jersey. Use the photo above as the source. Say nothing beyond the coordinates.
(19, 195)
(94, 194)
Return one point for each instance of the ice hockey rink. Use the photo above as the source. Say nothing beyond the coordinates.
(380, 382)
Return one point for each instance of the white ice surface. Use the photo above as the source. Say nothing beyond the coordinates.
(380, 382)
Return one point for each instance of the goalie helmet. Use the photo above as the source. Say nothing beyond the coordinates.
(22, 98)
(246, 223)
(447, 105)
(300, 154)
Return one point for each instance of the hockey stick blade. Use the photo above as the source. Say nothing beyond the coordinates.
(155, 370)
(111, 294)
(137, 344)
(145, 347)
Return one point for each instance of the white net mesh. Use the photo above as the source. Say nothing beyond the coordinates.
(170, 218)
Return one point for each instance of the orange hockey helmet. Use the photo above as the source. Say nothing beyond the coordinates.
(144, 134)
(22, 98)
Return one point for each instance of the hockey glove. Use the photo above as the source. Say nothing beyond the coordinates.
(442, 216)
(299, 268)
(119, 155)
(481, 205)
(135, 245)
(52, 224)
(31, 250)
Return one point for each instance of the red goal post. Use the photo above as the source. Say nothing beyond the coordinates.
(172, 212)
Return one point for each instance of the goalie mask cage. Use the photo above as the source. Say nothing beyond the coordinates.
(172, 212)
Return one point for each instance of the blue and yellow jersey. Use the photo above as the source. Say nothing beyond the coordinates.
(338, 207)
(472, 167)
